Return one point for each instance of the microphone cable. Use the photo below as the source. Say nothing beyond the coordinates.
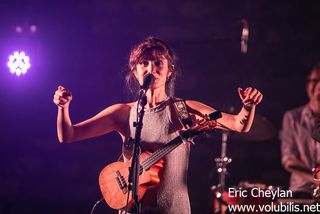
(94, 206)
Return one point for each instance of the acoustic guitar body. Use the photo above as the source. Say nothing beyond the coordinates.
(113, 181)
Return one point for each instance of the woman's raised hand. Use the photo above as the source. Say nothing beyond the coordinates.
(62, 97)
(250, 96)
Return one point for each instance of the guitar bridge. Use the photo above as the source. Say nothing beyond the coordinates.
(121, 182)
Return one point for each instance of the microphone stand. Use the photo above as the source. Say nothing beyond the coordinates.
(133, 179)
(221, 164)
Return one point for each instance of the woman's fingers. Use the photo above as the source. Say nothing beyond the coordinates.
(250, 96)
(62, 96)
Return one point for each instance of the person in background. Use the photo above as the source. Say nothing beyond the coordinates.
(300, 152)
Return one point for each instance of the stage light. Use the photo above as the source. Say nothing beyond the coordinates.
(18, 29)
(19, 63)
(33, 28)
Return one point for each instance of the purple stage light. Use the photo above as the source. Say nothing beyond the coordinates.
(19, 63)
(18, 29)
(33, 28)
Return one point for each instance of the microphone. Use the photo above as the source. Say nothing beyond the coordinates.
(244, 36)
(148, 80)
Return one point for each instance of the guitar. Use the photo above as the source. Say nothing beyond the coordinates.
(113, 179)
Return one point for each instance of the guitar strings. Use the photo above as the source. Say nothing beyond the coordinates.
(156, 156)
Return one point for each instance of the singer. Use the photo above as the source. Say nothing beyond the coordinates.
(152, 64)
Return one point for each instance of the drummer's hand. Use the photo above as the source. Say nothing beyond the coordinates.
(250, 96)
(62, 97)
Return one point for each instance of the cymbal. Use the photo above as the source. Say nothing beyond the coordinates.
(261, 129)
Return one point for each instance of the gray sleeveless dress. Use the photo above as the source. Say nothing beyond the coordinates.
(160, 126)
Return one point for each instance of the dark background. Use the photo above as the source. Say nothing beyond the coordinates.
(84, 45)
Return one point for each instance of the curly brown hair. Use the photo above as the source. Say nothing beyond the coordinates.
(145, 49)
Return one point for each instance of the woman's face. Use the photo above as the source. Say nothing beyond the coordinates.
(313, 86)
(156, 65)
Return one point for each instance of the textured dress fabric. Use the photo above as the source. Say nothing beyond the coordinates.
(160, 126)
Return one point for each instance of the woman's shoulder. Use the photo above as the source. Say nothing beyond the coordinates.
(118, 109)
(124, 105)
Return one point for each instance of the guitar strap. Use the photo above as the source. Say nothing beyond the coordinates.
(182, 112)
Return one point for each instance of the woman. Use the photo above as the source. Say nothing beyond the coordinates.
(161, 125)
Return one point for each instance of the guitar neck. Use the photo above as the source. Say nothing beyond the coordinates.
(159, 154)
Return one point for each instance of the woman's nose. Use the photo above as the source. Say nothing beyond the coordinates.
(150, 67)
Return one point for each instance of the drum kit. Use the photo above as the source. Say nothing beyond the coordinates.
(262, 129)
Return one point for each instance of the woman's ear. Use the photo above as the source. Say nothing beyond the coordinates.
(169, 75)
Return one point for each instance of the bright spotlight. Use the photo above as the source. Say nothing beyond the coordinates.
(19, 63)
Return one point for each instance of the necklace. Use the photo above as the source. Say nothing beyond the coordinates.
(159, 106)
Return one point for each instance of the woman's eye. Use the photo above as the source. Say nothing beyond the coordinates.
(158, 63)
(144, 63)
